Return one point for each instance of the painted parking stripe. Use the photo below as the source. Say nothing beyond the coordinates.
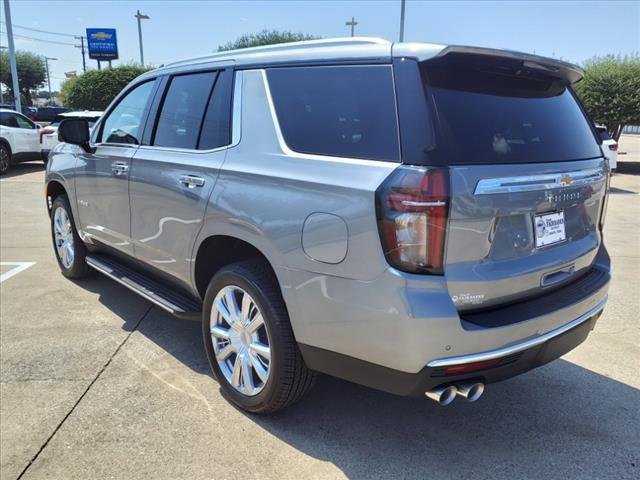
(19, 267)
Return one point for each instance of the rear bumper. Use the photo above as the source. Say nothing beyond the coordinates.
(511, 361)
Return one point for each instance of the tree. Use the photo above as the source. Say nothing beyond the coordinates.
(95, 89)
(610, 91)
(31, 73)
(265, 37)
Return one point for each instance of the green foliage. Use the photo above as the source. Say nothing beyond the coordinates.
(265, 37)
(31, 73)
(610, 91)
(95, 89)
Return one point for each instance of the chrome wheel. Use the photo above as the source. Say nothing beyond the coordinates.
(241, 341)
(63, 237)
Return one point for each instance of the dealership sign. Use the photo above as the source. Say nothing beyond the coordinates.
(102, 43)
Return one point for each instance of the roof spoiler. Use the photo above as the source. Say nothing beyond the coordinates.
(555, 68)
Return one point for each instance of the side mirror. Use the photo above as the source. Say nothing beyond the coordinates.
(76, 132)
(38, 126)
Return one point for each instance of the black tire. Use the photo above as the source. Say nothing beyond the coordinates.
(5, 159)
(78, 267)
(289, 378)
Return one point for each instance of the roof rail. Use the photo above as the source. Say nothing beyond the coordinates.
(323, 42)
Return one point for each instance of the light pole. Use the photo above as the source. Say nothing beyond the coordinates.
(12, 57)
(402, 20)
(140, 16)
(352, 23)
(81, 47)
(46, 62)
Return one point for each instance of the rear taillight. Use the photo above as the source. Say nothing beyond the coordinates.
(605, 202)
(412, 214)
(613, 147)
(45, 131)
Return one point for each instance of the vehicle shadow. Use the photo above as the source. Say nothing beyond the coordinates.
(559, 421)
(25, 168)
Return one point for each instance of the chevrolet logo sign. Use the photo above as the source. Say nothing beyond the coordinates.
(101, 36)
(566, 180)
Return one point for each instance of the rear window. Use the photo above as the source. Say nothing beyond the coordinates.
(501, 114)
(343, 111)
(56, 121)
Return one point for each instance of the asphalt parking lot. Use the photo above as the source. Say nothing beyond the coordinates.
(95, 382)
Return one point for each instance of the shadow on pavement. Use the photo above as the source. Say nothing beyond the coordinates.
(23, 168)
(559, 421)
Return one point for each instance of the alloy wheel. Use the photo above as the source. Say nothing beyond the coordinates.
(241, 341)
(63, 237)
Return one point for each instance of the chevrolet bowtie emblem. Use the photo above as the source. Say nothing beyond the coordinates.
(566, 180)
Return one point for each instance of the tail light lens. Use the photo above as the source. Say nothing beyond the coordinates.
(605, 202)
(412, 212)
(613, 147)
(45, 131)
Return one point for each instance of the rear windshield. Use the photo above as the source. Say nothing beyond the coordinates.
(56, 121)
(500, 114)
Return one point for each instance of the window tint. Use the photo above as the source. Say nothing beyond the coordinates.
(182, 110)
(24, 123)
(216, 128)
(488, 116)
(124, 123)
(339, 111)
(8, 119)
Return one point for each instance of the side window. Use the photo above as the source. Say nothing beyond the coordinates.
(345, 111)
(8, 120)
(182, 110)
(124, 123)
(216, 128)
(24, 122)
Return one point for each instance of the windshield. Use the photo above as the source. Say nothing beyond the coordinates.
(493, 114)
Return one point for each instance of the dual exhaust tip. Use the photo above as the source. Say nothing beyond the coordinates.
(446, 394)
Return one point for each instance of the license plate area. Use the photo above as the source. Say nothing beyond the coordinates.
(549, 229)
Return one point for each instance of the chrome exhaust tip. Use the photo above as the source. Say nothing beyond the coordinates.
(443, 395)
(470, 391)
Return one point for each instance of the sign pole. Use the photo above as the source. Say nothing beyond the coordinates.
(99, 65)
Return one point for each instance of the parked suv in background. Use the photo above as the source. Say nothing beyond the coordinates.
(609, 146)
(418, 218)
(49, 134)
(19, 139)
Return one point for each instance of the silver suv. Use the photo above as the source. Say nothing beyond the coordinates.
(417, 218)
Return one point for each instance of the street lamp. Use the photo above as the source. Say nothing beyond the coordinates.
(140, 16)
(46, 61)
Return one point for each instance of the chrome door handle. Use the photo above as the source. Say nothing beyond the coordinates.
(119, 168)
(191, 181)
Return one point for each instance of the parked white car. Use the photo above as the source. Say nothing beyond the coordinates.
(49, 134)
(609, 146)
(19, 140)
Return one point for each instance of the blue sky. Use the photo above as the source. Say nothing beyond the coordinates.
(574, 30)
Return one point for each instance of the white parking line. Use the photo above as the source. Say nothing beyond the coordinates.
(20, 267)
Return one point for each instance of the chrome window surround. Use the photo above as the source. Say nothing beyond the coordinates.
(236, 129)
(315, 156)
(532, 183)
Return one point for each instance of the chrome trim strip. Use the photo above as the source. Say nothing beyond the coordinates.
(436, 203)
(532, 183)
(97, 265)
(236, 119)
(518, 347)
